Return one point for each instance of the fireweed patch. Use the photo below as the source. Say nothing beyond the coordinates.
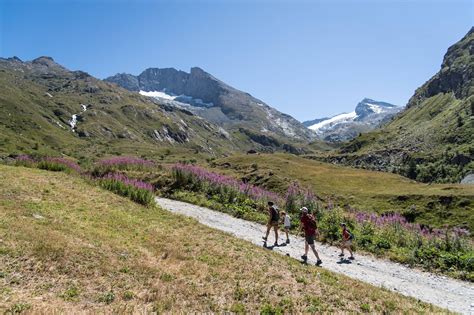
(121, 163)
(134, 189)
(59, 164)
(391, 235)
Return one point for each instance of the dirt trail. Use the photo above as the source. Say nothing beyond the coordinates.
(457, 296)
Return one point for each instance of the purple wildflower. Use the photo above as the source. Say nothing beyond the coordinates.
(24, 158)
(226, 182)
(128, 181)
(68, 163)
(125, 160)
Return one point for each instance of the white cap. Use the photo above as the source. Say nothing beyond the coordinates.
(304, 210)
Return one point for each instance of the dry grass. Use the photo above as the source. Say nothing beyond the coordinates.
(94, 251)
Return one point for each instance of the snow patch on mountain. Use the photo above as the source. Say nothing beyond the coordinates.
(345, 117)
(368, 115)
(157, 94)
(375, 108)
(179, 98)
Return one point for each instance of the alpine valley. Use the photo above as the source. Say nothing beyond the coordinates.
(432, 140)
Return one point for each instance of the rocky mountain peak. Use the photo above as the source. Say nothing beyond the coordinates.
(456, 74)
(368, 115)
(369, 106)
(214, 100)
(44, 60)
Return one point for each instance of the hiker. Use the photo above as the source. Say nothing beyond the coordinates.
(346, 241)
(273, 221)
(308, 225)
(286, 220)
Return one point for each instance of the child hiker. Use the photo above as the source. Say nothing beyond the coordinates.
(346, 241)
(286, 220)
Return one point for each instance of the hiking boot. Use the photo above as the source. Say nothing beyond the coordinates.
(264, 238)
(319, 262)
(304, 257)
(351, 258)
(287, 241)
(341, 255)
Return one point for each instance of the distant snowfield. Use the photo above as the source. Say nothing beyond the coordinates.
(180, 98)
(158, 94)
(334, 120)
(375, 108)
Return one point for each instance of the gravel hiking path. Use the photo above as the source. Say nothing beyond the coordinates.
(455, 295)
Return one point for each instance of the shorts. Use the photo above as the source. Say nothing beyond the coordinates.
(347, 243)
(310, 239)
(272, 223)
(287, 227)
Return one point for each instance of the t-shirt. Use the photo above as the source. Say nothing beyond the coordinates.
(287, 221)
(308, 224)
(346, 235)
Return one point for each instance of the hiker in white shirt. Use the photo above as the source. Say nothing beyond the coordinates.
(286, 220)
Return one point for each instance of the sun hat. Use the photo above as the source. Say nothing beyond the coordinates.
(304, 210)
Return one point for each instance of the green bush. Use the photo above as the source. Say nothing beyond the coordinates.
(142, 196)
(52, 166)
(329, 226)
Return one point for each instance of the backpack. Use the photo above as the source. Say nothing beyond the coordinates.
(275, 214)
(351, 236)
(312, 221)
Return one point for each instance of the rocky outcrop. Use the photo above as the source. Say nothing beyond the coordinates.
(456, 75)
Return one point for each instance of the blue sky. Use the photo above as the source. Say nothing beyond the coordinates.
(306, 58)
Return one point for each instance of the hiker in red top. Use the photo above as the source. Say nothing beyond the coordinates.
(346, 241)
(308, 225)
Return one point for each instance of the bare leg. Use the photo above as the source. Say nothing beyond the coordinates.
(268, 231)
(306, 248)
(276, 234)
(286, 231)
(350, 251)
(314, 251)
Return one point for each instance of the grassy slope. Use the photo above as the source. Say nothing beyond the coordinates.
(94, 250)
(418, 128)
(367, 190)
(117, 121)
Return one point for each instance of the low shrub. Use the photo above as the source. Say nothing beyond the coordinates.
(121, 163)
(25, 160)
(229, 189)
(58, 164)
(136, 190)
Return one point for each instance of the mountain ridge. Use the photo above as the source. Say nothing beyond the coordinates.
(240, 109)
(368, 115)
